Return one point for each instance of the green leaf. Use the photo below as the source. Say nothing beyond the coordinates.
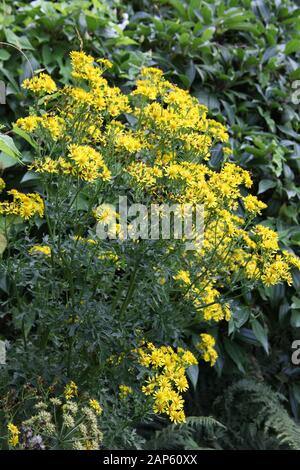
(193, 374)
(30, 177)
(124, 41)
(264, 185)
(22, 42)
(292, 46)
(8, 147)
(4, 55)
(6, 161)
(295, 319)
(235, 353)
(3, 243)
(239, 316)
(178, 5)
(208, 34)
(296, 302)
(24, 135)
(261, 334)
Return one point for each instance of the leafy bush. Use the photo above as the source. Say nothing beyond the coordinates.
(238, 58)
(74, 300)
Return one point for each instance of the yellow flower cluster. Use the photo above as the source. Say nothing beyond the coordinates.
(127, 141)
(124, 391)
(71, 390)
(23, 205)
(164, 153)
(168, 379)
(53, 124)
(146, 176)
(2, 184)
(83, 161)
(13, 435)
(183, 276)
(276, 271)
(101, 96)
(29, 123)
(268, 238)
(95, 405)
(150, 85)
(44, 249)
(109, 256)
(89, 241)
(160, 152)
(41, 83)
(206, 347)
(105, 63)
(253, 205)
(181, 118)
(291, 259)
(205, 297)
(89, 164)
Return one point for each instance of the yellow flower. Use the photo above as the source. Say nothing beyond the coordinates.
(13, 437)
(106, 63)
(206, 347)
(89, 164)
(96, 406)
(29, 123)
(106, 214)
(46, 250)
(45, 166)
(88, 445)
(23, 205)
(54, 124)
(169, 381)
(291, 259)
(181, 383)
(41, 83)
(253, 205)
(177, 416)
(275, 271)
(188, 358)
(71, 390)
(2, 184)
(183, 276)
(124, 390)
(268, 238)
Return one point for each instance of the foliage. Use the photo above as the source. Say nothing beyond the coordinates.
(161, 153)
(191, 435)
(241, 59)
(247, 415)
(263, 423)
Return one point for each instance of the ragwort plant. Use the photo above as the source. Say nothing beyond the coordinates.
(58, 422)
(125, 319)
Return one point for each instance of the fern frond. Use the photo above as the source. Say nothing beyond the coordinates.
(182, 436)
